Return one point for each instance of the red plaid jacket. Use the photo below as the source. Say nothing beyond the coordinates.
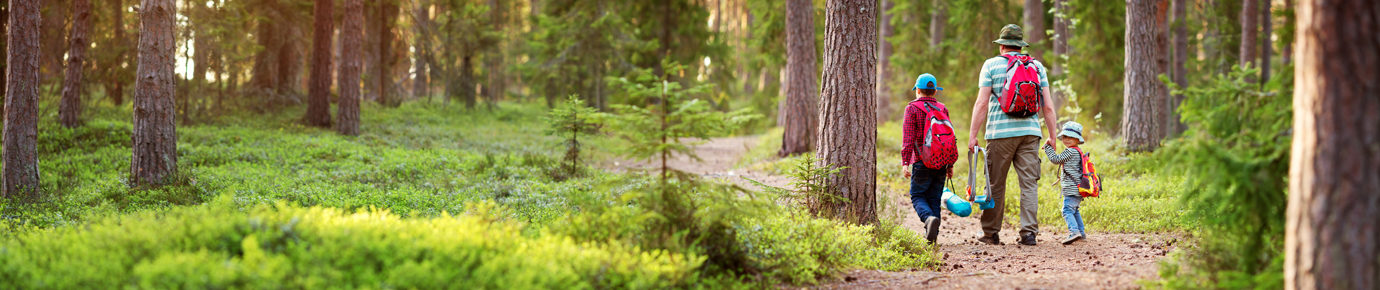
(913, 130)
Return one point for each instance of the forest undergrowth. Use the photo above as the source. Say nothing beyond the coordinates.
(426, 196)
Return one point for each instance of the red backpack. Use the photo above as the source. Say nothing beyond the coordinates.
(1023, 95)
(1089, 185)
(939, 149)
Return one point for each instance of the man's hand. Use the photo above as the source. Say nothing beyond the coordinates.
(905, 170)
(972, 143)
(1050, 143)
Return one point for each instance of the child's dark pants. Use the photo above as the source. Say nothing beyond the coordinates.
(926, 186)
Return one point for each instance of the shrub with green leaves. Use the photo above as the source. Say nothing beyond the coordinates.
(219, 246)
(1236, 156)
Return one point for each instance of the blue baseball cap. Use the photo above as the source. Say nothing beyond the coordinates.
(927, 82)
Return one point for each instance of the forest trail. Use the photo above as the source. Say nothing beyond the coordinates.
(1103, 261)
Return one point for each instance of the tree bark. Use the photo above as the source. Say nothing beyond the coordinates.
(388, 14)
(467, 82)
(937, 21)
(351, 50)
(4, 30)
(116, 92)
(1249, 31)
(52, 40)
(270, 37)
(493, 59)
(1061, 49)
(1178, 71)
(884, 93)
(1035, 27)
(155, 127)
(801, 91)
(1144, 93)
(1332, 240)
(848, 133)
(20, 152)
(1163, 59)
(318, 98)
(1286, 54)
(1265, 30)
(1061, 36)
(69, 111)
(420, 80)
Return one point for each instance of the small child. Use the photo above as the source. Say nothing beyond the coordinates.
(926, 184)
(1071, 161)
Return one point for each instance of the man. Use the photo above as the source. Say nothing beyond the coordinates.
(1010, 140)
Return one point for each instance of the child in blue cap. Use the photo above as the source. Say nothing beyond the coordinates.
(928, 151)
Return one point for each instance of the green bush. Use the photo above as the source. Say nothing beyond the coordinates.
(1236, 156)
(217, 246)
(744, 233)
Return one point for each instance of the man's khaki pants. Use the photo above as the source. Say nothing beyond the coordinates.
(1023, 152)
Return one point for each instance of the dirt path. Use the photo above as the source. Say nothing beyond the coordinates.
(1103, 261)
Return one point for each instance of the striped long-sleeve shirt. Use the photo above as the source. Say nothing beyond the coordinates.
(1070, 161)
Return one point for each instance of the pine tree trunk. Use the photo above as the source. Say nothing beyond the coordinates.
(1061, 48)
(155, 127)
(20, 152)
(1249, 31)
(201, 54)
(848, 133)
(387, 60)
(1266, 29)
(884, 93)
(4, 30)
(117, 91)
(318, 94)
(1163, 64)
(69, 111)
(493, 59)
(937, 20)
(420, 81)
(53, 36)
(372, 57)
(801, 90)
(351, 51)
(1178, 71)
(1035, 27)
(269, 38)
(467, 82)
(1286, 55)
(1144, 93)
(1332, 240)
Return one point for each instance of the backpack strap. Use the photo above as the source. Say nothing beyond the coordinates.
(925, 120)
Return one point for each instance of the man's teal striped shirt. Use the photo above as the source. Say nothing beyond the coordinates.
(1000, 125)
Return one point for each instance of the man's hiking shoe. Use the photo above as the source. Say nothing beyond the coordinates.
(990, 240)
(1027, 239)
(932, 229)
(1072, 238)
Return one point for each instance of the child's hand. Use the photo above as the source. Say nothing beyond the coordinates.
(950, 173)
(905, 171)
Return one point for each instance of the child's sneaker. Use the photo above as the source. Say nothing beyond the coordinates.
(932, 229)
(1072, 238)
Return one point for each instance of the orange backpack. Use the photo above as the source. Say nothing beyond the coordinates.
(1089, 184)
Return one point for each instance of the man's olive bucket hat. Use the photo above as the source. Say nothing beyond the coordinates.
(1012, 34)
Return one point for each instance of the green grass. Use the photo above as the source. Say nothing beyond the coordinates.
(262, 200)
